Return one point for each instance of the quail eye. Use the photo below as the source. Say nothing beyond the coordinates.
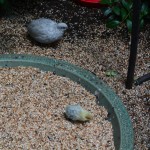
(62, 27)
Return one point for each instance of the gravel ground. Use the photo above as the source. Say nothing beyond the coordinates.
(88, 44)
(33, 113)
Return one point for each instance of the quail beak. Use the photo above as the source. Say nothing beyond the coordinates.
(88, 116)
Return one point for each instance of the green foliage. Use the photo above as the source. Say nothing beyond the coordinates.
(5, 7)
(111, 73)
(2, 2)
(119, 12)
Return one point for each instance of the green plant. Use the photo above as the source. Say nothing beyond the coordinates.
(3, 3)
(4, 7)
(119, 12)
(111, 73)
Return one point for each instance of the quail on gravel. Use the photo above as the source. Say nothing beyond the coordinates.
(46, 30)
(77, 113)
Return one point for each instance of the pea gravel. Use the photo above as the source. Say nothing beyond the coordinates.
(88, 44)
(32, 105)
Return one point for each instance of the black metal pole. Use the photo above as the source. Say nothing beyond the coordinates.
(134, 42)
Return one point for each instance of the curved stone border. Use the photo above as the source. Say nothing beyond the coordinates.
(123, 131)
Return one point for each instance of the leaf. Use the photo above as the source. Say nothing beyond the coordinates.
(144, 10)
(124, 13)
(144, 7)
(114, 1)
(112, 24)
(116, 10)
(111, 17)
(127, 5)
(141, 23)
(111, 73)
(129, 25)
(107, 11)
(148, 16)
(6, 8)
(130, 16)
(108, 2)
(2, 1)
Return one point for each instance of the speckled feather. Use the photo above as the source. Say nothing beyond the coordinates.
(46, 30)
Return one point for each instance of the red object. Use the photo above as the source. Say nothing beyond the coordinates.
(90, 3)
